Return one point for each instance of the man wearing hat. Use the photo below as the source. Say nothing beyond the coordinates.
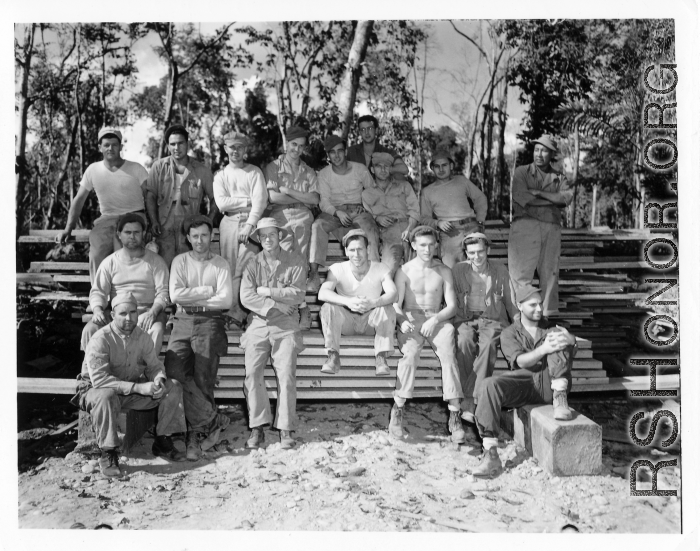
(423, 284)
(358, 295)
(540, 192)
(134, 269)
(394, 205)
(122, 371)
(447, 206)
(120, 188)
(540, 356)
(272, 289)
(363, 152)
(341, 184)
(200, 286)
(484, 308)
(176, 186)
(294, 190)
(240, 193)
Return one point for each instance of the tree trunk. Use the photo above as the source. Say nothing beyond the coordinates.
(23, 105)
(351, 78)
(577, 157)
(594, 200)
(171, 87)
(501, 160)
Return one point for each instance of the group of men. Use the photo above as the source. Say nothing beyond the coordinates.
(272, 247)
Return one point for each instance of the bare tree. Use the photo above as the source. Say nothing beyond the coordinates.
(353, 72)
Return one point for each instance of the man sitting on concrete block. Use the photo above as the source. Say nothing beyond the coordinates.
(540, 357)
(122, 371)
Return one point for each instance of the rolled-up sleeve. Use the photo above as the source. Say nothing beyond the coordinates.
(511, 346)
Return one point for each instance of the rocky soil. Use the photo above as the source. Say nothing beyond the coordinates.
(347, 474)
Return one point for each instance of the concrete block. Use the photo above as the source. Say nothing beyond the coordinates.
(563, 448)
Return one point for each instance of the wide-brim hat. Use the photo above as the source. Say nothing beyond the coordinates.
(267, 223)
(548, 141)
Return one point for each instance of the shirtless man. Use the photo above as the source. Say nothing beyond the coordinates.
(422, 284)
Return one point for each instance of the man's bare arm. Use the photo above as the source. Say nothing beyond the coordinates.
(76, 207)
(400, 281)
(450, 308)
(327, 291)
(390, 292)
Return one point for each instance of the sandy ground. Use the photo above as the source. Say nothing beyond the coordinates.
(345, 474)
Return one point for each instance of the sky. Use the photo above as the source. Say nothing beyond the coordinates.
(449, 54)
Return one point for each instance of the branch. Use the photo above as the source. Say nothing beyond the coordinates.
(206, 48)
(483, 53)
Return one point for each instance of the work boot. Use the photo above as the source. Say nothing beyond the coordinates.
(109, 462)
(456, 429)
(490, 465)
(257, 438)
(562, 412)
(194, 452)
(396, 422)
(314, 282)
(286, 440)
(304, 319)
(163, 447)
(217, 425)
(332, 365)
(382, 366)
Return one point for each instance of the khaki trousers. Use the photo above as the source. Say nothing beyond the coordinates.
(337, 320)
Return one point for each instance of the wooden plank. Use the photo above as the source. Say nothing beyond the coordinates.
(62, 295)
(58, 266)
(46, 386)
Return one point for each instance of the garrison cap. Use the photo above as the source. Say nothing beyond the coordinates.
(122, 298)
(294, 132)
(382, 159)
(197, 219)
(331, 141)
(548, 141)
(525, 292)
(476, 235)
(353, 233)
(235, 137)
(107, 131)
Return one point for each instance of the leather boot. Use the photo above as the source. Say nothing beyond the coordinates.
(314, 282)
(218, 424)
(304, 319)
(381, 365)
(562, 412)
(396, 422)
(109, 462)
(490, 465)
(456, 429)
(194, 452)
(163, 447)
(257, 438)
(286, 440)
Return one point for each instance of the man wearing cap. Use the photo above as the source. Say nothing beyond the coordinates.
(341, 184)
(540, 192)
(176, 186)
(134, 269)
(394, 205)
(122, 371)
(294, 190)
(363, 152)
(358, 295)
(120, 188)
(423, 284)
(445, 205)
(240, 193)
(484, 307)
(272, 288)
(200, 285)
(540, 356)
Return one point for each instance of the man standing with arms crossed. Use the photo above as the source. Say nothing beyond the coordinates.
(294, 190)
(358, 295)
(341, 184)
(200, 285)
(445, 206)
(394, 205)
(272, 288)
(540, 356)
(240, 193)
(540, 192)
(484, 307)
(176, 186)
(422, 283)
(119, 185)
(363, 151)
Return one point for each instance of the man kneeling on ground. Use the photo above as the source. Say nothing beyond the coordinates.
(358, 294)
(122, 371)
(540, 357)
(422, 284)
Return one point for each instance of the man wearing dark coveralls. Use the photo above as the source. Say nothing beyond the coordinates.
(122, 371)
(540, 357)
(272, 288)
(200, 285)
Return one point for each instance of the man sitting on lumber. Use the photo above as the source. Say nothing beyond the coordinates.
(422, 284)
(134, 269)
(122, 371)
(358, 294)
(540, 356)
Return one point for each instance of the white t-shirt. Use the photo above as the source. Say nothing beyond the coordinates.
(369, 287)
(117, 192)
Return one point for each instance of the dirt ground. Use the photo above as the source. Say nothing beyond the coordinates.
(348, 474)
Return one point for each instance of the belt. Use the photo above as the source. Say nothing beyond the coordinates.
(424, 311)
(199, 309)
(295, 206)
(244, 211)
(466, 220)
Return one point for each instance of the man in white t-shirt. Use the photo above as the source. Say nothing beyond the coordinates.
(358, 296)
(120, 188)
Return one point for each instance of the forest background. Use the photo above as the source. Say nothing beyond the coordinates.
(481, 88)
